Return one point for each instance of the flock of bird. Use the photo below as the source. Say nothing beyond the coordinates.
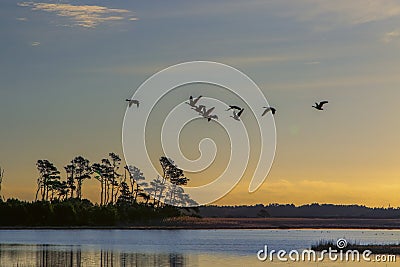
(201, 109)
(237, 111)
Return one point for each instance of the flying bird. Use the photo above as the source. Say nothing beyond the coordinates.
(192, 102)
(234, 107)
(319, 105)
(206, 113)
(267, 109)
(236, 116)
(214, 117)
(133, 101)
(199, 109)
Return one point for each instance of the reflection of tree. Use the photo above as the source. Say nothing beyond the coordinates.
(146, 259)
(48, 256)
(60, 256)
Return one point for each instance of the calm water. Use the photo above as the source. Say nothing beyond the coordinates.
(170, 247)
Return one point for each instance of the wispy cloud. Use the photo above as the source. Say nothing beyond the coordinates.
(354, 12)
(88, 16)
(35, 43)
(22, 19)
(390, 36)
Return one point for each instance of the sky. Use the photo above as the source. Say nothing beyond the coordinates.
(67, 66)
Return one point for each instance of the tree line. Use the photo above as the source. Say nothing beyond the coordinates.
(313, 210)
(125, 196)
(128, 187)
(76, 212)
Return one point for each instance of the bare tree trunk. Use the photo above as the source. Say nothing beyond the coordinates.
(136, 192)
(162, 188)
(1, 178)
(102, 192)
(37, 192)
(132, 182)
(117, 191)
(47, 192)
(107, 192)
(155, 195)
(43, 190)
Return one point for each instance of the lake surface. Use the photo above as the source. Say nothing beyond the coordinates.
(172, 247)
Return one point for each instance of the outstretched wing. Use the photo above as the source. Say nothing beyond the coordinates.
(266, 111)
(323, 102)
(240, 112)
(210, 110)
(197, 100)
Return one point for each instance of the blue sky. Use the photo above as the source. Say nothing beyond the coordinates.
(67, 66)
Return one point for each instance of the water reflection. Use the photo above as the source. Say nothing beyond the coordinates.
(68, 256)
(173, 248)
(74, 256)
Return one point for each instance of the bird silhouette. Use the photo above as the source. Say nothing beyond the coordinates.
(234, 107)
(199, 109)
(236, 116)
(214, 117)
(133, 101)
(206, 113)
(267, 109)
(192, 102)
(319, 105)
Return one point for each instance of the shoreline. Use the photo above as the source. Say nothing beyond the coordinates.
(188, 223)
